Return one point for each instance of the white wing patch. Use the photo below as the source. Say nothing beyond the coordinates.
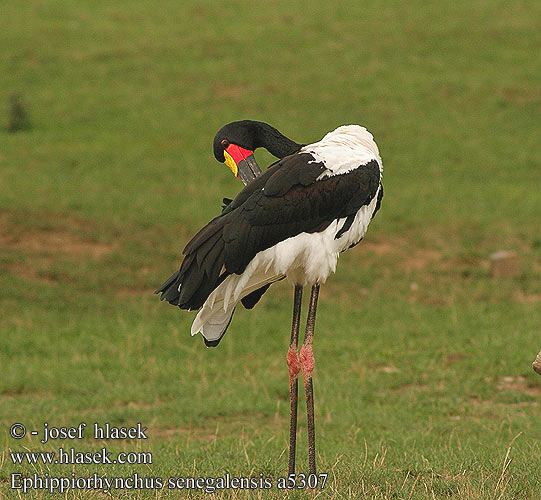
(344, 150)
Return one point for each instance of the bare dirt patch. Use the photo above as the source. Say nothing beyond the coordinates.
(34, 270)
(527, 298)
(520, 96)
(519, 384)
(409, 257)
(189, 433)
(171, 432)
(454, 357)
(487, 404)
(136, 291)
(388, 369)
(10, 394)
(58, 243)
(380, 247)
(421, 259)
(34, 242)
(222, 90)
(211, 427)
(409, 388)
(50, 234)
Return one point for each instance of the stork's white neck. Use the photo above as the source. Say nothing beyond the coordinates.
(345, 149)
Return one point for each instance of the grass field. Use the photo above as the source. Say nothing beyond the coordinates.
(423, 382)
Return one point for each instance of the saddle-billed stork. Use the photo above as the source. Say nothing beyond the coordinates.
(291, 221)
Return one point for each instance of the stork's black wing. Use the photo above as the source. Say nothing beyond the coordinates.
(291, 201)
(286, 200)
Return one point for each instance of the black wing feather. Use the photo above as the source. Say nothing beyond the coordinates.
(286, 200)
(288, 205)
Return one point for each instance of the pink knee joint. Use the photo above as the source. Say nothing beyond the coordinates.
(293, 363)
(307, 362)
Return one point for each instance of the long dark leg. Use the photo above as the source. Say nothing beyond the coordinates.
(294, 366)
(307, 364)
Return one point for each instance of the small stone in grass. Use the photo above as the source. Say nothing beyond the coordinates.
(536, 365)
(505, 264)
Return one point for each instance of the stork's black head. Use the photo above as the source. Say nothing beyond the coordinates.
(235, 143)
(242, 133)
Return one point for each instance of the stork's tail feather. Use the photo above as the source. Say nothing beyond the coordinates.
(214, 317)
(203, 283)
(200, 271)
(217, 330)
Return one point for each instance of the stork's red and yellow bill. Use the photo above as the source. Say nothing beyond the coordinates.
(242, 163)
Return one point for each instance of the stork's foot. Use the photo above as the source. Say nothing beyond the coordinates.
(293, 364)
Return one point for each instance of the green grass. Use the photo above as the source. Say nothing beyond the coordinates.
(423, 381)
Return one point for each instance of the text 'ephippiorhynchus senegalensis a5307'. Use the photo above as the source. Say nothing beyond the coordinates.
(292, 221)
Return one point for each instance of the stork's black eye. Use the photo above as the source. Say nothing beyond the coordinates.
(225, 143)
